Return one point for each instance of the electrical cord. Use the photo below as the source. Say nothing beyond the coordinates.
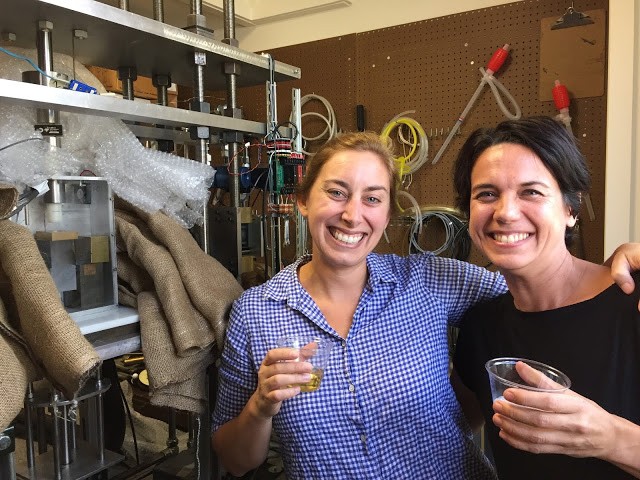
(457, 241)
(19, 142)
(133, 430)
(331, 128)
(33, 64)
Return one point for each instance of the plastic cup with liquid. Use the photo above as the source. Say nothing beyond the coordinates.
(311, 349)
(503, 374)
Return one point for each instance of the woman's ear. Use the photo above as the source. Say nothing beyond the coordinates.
(301, 202)
(572, 217)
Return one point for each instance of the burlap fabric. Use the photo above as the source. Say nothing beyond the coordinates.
(8, 199)
(43, 327)
(183, 315)
(190, 333)
(174, 381)
(210, 286)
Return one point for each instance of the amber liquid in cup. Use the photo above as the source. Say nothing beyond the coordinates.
(313, 350)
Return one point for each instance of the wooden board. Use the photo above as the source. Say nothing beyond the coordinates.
(576, 56)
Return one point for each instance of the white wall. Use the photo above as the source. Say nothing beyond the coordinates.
(622, 183)
(360, 16)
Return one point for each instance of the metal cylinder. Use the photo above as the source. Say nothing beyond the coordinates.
(29, 427)
(44, 46)
(158, 10)
(229, 14)
(127, 89)
(163, 97)
(127, 75)
(234, 148)
(196, 7)
(232, 103)
(124, 5)
(55, 193)
(172, 441)
(64, 446)
(100, 418)
(202, 147)
(56, 436)
(7, 457)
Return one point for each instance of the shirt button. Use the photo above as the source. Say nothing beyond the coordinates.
(363, 438)
(344, 344)
(352, 388)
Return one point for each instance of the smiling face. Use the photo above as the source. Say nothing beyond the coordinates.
(518, 215)
(347, 208)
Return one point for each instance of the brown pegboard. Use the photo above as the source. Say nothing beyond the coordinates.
(431, 67)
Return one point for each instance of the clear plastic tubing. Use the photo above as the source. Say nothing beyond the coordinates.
(496, 61)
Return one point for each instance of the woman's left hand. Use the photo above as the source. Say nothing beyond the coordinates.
(565, 423)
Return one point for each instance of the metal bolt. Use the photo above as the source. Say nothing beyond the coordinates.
(200, 58)
(161, 80)
(9, 37)
(5, 442)
(45, 25)
(80, 34)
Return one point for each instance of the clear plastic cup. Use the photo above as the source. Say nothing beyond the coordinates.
(503, 374)
(313, 350)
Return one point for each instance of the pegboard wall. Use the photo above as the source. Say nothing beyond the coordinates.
(431, 67)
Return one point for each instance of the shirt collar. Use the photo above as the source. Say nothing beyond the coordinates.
(285, 286)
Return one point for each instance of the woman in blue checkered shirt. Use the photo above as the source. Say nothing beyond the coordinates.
(385, 407)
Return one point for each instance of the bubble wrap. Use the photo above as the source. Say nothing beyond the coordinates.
(149, 179)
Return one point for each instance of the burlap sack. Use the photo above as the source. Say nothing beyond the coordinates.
(211, 287)
(6, 296)
(166, 369)
(62, 352)
(8, 199)
(127, 297)
(181, 395)
(137, 279)
(16, 373)
(190, 333)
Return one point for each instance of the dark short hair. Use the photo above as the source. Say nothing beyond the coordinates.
(547, 138)
(355, 141)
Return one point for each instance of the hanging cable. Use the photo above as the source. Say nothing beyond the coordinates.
(417, 219)
(331, 128)
(419, 144)
(33, 64)
(457, 242)
(496, 61)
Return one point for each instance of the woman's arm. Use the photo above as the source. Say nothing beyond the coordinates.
(624, 260)
(242, 443)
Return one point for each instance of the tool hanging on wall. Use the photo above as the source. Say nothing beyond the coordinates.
(562, 102)
(496, 61)
(572, 18)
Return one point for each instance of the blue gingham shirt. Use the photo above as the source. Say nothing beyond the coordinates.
(385, 408)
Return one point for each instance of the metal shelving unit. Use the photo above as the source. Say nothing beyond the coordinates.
(69, 101)
(115, 38)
